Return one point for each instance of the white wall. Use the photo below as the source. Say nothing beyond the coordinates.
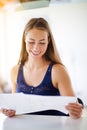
(69, 25)
(70, 31)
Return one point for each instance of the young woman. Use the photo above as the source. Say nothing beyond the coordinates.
(40, 70)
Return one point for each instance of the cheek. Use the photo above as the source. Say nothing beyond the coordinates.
(45, 48)
(27, 48)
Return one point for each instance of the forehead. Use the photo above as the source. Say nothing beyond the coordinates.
(36, 33)
(36, 30)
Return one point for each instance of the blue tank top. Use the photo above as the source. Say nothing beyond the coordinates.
(45, 88)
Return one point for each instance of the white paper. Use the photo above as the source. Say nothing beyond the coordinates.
(25, 103)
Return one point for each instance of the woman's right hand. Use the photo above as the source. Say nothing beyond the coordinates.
(8, 112)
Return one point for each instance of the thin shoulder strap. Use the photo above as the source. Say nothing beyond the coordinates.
(20, 72)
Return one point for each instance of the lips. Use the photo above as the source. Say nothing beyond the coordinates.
(35, 53)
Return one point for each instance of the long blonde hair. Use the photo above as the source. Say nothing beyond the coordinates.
(51, 53)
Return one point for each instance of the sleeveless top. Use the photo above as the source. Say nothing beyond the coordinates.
(45, 88)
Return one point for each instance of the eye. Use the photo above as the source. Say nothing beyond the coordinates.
(42, 42)
(30, 42)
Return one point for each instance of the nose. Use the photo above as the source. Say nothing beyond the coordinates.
(36, 47)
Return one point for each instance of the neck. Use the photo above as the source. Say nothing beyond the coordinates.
(36, 64)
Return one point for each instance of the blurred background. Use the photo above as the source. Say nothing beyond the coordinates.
(68, 21)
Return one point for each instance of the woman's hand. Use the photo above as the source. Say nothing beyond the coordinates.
(75, 110)
(8, 112)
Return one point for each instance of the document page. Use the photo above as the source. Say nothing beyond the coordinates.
(25, 103)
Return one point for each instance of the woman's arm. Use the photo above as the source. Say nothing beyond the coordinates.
(62, 82)
(14, 72)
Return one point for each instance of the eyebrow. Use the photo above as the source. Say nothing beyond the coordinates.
(34, 39)
(42, 40)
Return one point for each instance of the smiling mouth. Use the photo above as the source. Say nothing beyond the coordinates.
(35, 53)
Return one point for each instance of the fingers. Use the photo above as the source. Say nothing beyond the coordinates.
(8, 112)
(74, 106)
(75, 110)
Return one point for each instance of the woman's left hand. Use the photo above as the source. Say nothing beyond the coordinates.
(75, 110)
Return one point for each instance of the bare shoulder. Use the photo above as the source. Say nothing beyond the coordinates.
(14, 72)
(60, 74)
(15, 69)
(59, 69)
(61, 80)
